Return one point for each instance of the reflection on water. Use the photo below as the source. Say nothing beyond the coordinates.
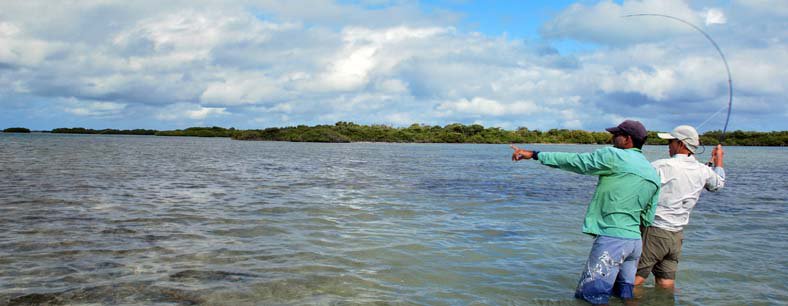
(158, 220)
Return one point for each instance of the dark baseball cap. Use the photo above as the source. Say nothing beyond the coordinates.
(630, 127)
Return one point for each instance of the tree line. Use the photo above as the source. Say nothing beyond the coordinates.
(214, 131)
(79, 130)
(16, 130)
(192, 131)
(421, 133)
(475, 133)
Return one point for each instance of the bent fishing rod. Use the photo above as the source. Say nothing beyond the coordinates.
(724, 61)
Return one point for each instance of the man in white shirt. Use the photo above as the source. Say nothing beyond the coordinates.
(682, 178)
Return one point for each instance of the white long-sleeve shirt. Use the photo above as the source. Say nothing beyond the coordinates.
(683, 178)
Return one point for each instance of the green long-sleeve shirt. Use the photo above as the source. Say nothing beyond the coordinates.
(626, 194)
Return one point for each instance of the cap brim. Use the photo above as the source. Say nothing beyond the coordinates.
(614, 129)
(665, 136)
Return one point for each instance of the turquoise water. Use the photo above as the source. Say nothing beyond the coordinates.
(88, 219)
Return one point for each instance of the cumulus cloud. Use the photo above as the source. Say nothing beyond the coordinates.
(191, 112)
(654, 63)
(253, 63)
(715, 16)
(93, 109)
(485, 107)
(203, 112)
(604, 22)
(21, 50)
(654, 84)
(239, 88)
(366, 51)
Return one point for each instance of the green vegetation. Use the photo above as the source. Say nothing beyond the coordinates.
(192, 131)
(747, 138)
(80, 130)
(452, 133)
(421, 133)
(460, 133)
(16, 130)
(199, 132)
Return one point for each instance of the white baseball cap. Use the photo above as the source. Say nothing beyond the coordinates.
(684, 133)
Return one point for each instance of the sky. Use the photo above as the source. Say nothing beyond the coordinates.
(256, 64)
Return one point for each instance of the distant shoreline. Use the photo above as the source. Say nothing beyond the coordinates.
(382, 142)
(349, 132)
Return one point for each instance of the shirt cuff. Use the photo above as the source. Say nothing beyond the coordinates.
(720, 171)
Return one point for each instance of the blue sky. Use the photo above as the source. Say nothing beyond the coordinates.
(515, 19)
(518, 19)
(257, 64)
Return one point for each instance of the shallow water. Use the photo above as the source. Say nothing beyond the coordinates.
(87, 219)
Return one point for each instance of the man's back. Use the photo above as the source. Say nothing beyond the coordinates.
(683, 178)
(625, 196)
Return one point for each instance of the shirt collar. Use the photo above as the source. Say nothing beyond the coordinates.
(684, 157)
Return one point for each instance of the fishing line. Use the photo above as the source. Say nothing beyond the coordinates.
(722, 55)
(711, 117)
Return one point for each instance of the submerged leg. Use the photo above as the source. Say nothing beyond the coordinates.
(665, 283)
(626, 280)
(602, 269)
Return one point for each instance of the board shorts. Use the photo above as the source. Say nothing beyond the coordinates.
(661, 252)
(610, 269)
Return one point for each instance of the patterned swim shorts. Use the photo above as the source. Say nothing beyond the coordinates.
(610, 269)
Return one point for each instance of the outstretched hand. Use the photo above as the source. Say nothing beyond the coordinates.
(520, 154)
(717, 156)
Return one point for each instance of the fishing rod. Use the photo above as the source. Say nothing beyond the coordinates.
(722, 55)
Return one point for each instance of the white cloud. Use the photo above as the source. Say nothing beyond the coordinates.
(475, 106)
(93, 109)
(350, 70)
(20, 49)
(570, 119)
(654, 85)
(761, 71)
(401, 119)
(238, 88)
(366, 51)
(480, 106)
(604, 21)
(205, 112)
(715, 16)
(189, 112)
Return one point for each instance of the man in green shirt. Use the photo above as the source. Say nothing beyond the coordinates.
(625, 198)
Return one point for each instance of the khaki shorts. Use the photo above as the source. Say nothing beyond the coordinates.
(661, 252)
